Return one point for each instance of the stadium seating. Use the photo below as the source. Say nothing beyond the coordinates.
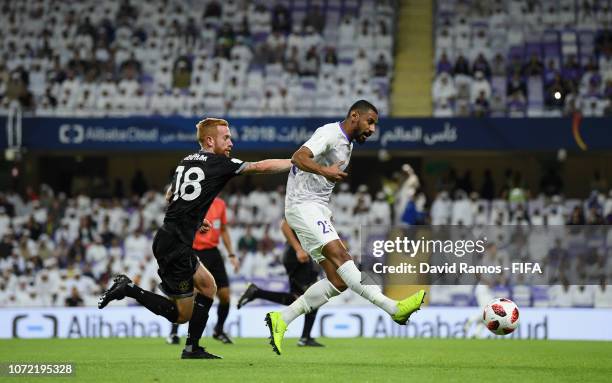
(537, 59)
(236, 57)
(50, 243)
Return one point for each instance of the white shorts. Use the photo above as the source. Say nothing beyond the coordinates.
(312, 225)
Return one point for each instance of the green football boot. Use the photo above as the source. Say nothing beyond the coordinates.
(406, 307)
(277, 327)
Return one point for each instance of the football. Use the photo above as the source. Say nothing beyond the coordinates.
(501, 316)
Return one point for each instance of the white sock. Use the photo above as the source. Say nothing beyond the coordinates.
(314, 297)
(351, 275)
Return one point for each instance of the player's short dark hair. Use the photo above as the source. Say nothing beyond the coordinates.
(362, 106)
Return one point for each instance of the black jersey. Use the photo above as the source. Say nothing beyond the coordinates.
(197, 180)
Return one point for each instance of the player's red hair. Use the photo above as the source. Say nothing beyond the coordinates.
(208, 127)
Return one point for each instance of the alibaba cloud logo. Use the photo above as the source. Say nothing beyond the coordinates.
(71, 134)
(26, 326)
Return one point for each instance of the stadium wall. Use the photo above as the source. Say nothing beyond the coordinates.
(347, 321)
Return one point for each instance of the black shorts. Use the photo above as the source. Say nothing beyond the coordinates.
(177, 263)
(213, 261)
(301, 275)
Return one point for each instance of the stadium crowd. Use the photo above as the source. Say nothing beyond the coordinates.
(523, 58)
(242, 57)
(57, 250)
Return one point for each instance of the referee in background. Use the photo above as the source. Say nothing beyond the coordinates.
(206, 248)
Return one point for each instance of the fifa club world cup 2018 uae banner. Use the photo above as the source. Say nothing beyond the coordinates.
(252, 134)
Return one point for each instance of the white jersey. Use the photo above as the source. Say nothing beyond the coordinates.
(329, 145)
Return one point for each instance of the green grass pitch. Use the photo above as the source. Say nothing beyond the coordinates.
(343, 360)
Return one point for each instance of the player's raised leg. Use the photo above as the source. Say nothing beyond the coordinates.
(205, 291)
(254, 292)
(178, 311)
(341, 273)
(177, 265)
(400, 311)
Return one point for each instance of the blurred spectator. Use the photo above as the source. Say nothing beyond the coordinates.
(533, 67)
(516, 84)
(444, 65)
(461, 66)
(441, 209)
(381, 67)
(582, 296)
(481, 105)
(480, 85)
(361, 65)
(315, 19)
(247, 243)
(560, 295)
(481, 64)
(602, 294)
(516, 105)
(443, 109)
(577, 217)
(550, 72)
(310, 65)
(74, 300)
(571, 70)
(136, 247)
(330, 56)
(213, 10)
(281, 19)
(443, 89)
(499, 66)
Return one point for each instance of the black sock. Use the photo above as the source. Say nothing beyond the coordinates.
(309, 320)
(174, 329)
(155, 303)
(201, 307)
(222, 311)
(276, 297)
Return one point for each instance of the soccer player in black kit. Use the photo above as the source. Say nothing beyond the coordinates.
(302, 272)
(198, 179)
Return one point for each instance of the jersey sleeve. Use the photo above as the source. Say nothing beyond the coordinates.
(320, 142)
(232, 167)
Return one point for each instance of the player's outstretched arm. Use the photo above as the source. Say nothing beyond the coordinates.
(304, 160)
(267, 166)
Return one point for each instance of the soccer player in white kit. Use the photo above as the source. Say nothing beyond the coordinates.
(317, 166)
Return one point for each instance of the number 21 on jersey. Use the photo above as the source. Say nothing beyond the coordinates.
(187, 185)
(325, 226)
